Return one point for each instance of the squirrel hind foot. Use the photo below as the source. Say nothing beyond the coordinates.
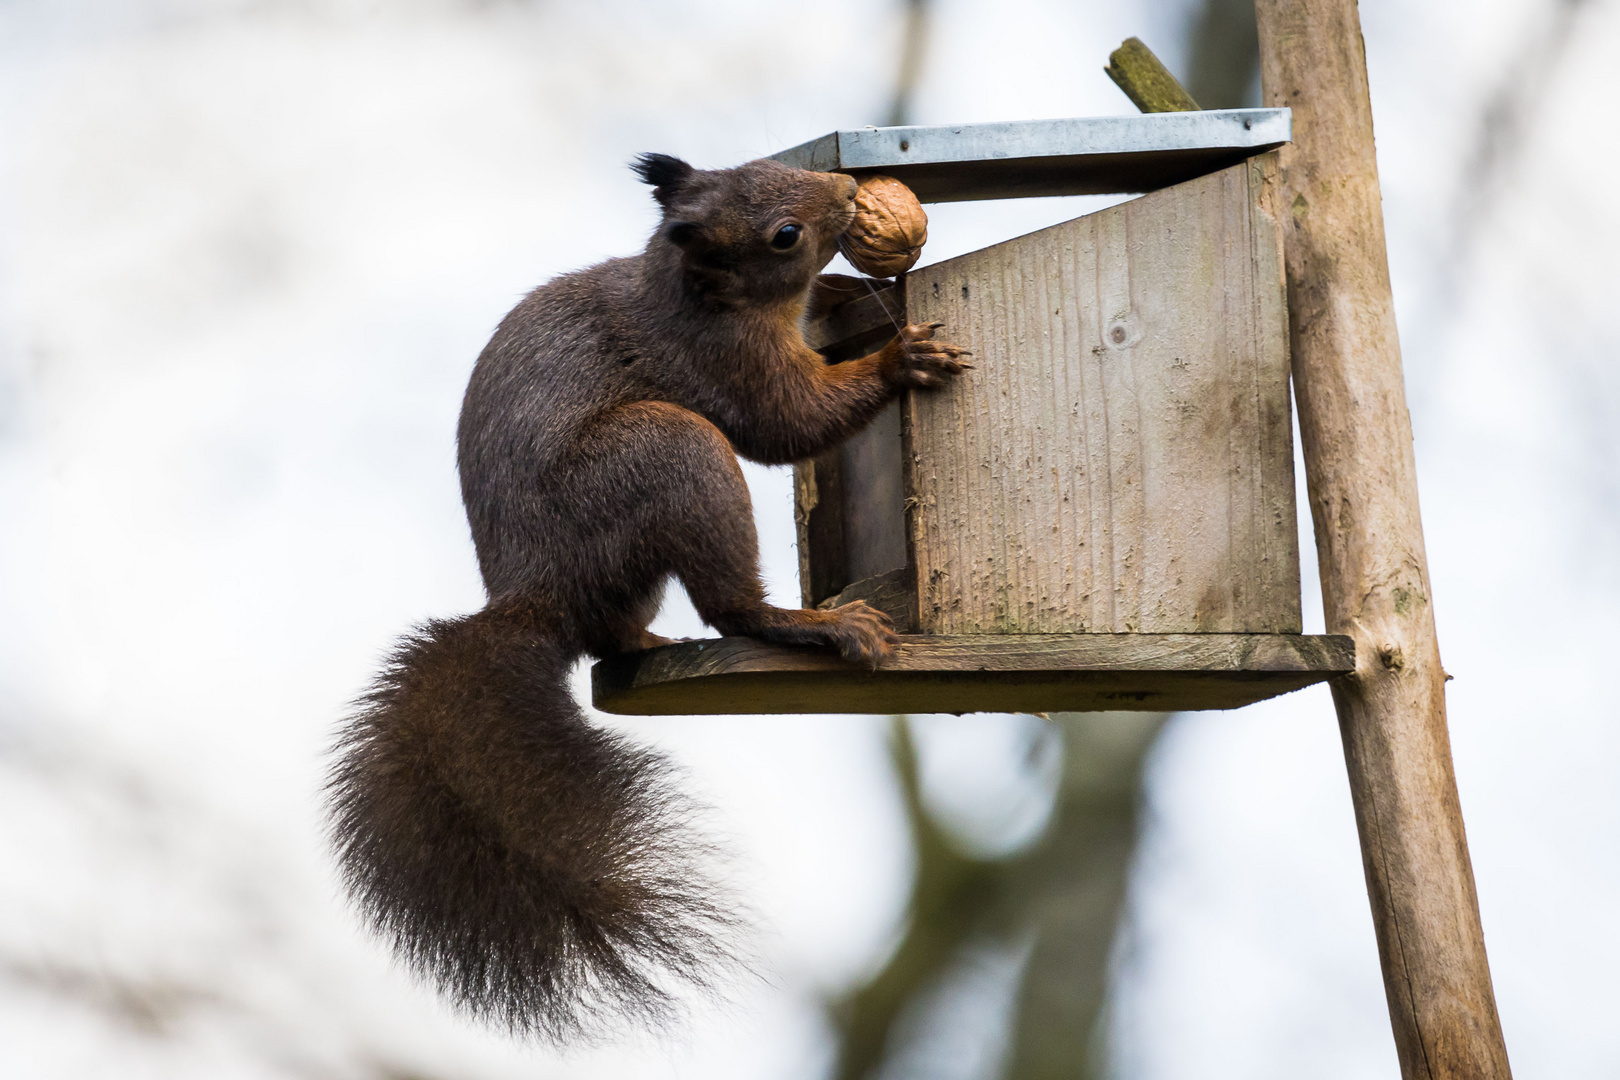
(862, 633)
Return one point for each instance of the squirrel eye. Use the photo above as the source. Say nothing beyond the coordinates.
(786, 237)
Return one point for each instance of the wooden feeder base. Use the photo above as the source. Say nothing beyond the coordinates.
(972, 673)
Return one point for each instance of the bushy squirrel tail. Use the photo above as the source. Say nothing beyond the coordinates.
(539, 870)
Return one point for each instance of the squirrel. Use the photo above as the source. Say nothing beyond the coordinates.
(538, 869)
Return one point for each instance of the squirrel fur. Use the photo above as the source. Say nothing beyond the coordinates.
(538, 869)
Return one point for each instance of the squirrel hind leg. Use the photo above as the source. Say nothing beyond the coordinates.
(682, 506)
(626, 631)
(859, 632)
(632, 637)
(718, 564)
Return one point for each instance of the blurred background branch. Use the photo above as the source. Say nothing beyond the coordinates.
(1223, 55)
(1521, 89)
(1055, 906)
(913, 47)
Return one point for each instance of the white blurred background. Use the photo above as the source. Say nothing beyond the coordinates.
(248, 252)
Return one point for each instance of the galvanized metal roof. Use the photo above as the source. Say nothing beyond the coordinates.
(1089, 155)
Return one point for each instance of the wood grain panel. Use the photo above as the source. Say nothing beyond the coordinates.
(890, 592)
(972, 673)
(1120, 460)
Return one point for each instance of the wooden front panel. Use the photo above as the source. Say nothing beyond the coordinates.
(1121, 458)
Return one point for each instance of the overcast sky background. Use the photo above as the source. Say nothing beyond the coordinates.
(248, 253)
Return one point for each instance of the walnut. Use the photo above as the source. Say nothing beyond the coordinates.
(889, 230)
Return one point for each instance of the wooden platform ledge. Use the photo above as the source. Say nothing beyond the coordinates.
(981, 673)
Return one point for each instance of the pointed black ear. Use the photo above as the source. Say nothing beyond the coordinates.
(666, 174)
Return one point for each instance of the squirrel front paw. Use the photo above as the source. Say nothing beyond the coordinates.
(923, 362)
(861, 632)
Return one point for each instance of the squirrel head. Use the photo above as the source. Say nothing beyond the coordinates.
(755, 234)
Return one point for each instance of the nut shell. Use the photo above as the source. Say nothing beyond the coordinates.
(889, 231)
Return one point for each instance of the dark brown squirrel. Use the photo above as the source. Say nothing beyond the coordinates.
(538, 869)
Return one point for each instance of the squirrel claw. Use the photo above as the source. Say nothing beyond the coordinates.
(862, 633)
(924, 362)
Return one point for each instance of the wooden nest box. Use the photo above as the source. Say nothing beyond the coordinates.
(1101, 514)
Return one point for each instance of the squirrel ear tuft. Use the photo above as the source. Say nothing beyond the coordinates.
(666, 174)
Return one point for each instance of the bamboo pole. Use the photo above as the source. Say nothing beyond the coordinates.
(1357, 441)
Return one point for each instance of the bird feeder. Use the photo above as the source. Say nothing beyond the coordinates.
(1099, 515)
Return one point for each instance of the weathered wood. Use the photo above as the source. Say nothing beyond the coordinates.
(818, 515)
(1146, 81)
(847, 503)
(1120, 460)
(890, 592)
(874, 498)
(1075, 156)
(1362, 479)
(998, 673)
(857, 326)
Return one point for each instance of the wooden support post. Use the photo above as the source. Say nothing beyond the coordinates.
(1357, 439)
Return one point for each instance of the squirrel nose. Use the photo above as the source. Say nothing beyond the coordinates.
(851, 186)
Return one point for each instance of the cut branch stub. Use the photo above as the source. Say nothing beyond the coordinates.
(1146, 81)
